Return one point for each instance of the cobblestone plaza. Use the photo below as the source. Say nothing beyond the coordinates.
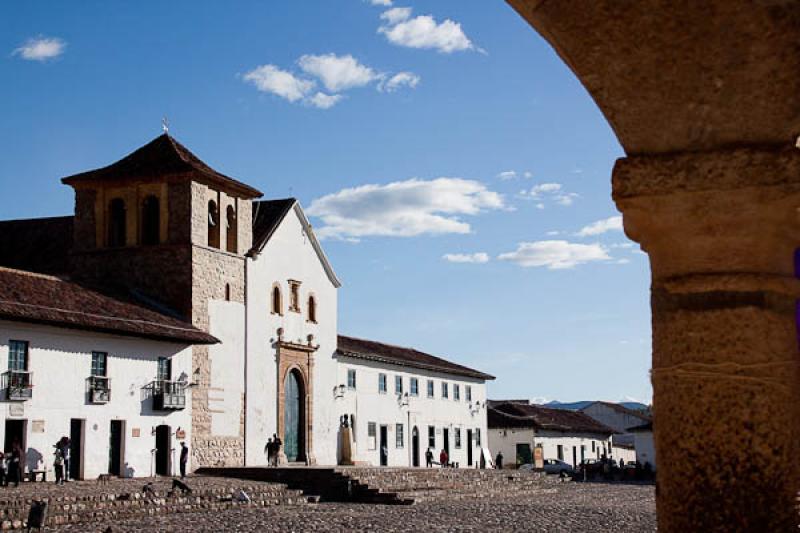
(552, 508)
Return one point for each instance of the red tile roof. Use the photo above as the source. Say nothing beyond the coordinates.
(162, 156)
(398, 355)
(267, 216)
(42, 299)
(513, 414)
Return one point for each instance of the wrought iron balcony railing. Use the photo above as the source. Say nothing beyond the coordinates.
(99, 389)
(167, 395)
(18, 385)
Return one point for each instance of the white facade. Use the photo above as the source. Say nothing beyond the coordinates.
(461, 422)
(645, 448)
(290, 254)
(626, 453)
(569, 447)
(60, 361)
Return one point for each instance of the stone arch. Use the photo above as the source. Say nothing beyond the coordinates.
(297, 360)
(231, 230)
(117, 223)
(709, 188)
(150, 220)
(213, 224)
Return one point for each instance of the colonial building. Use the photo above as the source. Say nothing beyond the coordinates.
(516, 429)
(402, 402)
(161, 231)
(618, 417)
(108, 373)
(644, 444)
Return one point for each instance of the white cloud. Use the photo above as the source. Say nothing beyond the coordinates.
(553, 192)
(555, 255)
(337, 73)
(538, 190)
(271, 79)
(399, 80)
(403, 208)
(601, 226)
(41, 48)
(424, 32)
(385, 3)
(324, 101)
(623, 245)
(552, 233)
(507, 175)
(478, 257)
(396, 15)
(527, 174)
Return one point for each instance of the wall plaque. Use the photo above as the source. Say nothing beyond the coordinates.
(135, 432)
(37, 426)
(16, 409)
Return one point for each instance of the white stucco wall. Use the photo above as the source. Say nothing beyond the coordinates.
(226, 323)
(369, 405)
(60, 360)
(616, 420)
(506, 440)
(289, 254)
(625, 453)
(645, 448)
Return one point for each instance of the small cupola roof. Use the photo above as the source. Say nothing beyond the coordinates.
(163, 156)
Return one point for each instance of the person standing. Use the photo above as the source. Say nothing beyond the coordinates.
(498, 461)
(3, 479)
(269, 449)
(15, 464)
(276, 442)
(429, 458)
(65, 445)
(58, 466)
(184, 459)
(443, 458)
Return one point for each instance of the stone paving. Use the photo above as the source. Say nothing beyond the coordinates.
(551, 507)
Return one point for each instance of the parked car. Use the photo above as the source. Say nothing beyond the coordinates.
(592, 467)
(557, 466)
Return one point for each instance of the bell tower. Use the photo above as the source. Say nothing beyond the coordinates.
(167, 229)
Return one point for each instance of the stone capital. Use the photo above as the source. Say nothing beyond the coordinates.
(724, 214)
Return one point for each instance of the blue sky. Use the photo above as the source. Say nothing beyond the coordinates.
(446, 154)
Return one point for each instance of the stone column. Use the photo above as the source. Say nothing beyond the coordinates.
(721, 229)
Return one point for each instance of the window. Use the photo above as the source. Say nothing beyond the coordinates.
(560, 452)
(431, 437)
(445, 393)
(99, 361)
(592, 445)
(277, 304)
(231, 232)
(227, 292)
(18, 355)
(294, 295)
(414, 387)
(456, 392)
(430, 388)
(117, 226)
(312, 309)
(151, 220)
(382, 383)
(351, 379)
(468, 393)
(399, 436)
(458, 437)
(398, 384)
(213, 224)
(164, 369)
(477, 436)
(371, 433)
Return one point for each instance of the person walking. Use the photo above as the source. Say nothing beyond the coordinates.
(269, 449)
(443, 458)
(64, 446)
(58, 465)
(429, 458)
(184, 459)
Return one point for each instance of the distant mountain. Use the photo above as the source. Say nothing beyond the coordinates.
(576, 406)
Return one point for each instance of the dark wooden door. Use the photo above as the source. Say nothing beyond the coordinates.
(469, 447)
(415, 447)
(292, 418)
(384, 446)
(115, 459)
(163, 452)
(76, 428)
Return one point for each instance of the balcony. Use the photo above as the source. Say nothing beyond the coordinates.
(99, 389)
(18, 385)
(167, 395)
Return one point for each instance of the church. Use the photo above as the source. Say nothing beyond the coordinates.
(176, 305)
